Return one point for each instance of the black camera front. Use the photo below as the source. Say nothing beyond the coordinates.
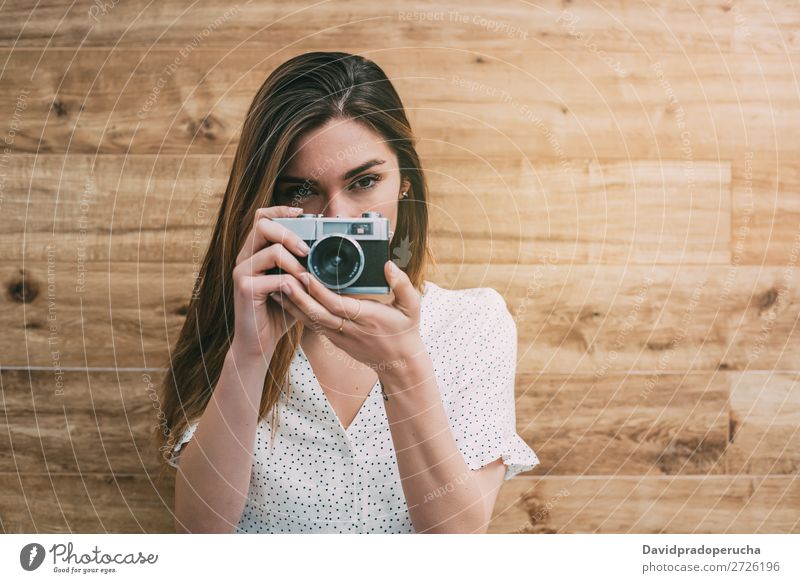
(336, 261)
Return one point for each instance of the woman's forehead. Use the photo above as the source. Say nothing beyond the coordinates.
(331, 151)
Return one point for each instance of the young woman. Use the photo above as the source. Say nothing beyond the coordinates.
(302, 410)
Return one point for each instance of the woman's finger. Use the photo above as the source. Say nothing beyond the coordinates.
(288, 306)
(406, 298)
(311, 307)
(265, 232)
(269, 257)
(340, 305)
(258, 286)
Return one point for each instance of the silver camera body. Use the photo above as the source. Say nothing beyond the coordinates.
(347, 254)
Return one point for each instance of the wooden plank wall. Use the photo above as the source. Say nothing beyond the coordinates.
(625, 173)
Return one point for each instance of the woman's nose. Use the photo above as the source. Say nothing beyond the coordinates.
(336, 206)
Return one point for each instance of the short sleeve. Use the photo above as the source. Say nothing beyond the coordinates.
(482, 408)
(187, 435)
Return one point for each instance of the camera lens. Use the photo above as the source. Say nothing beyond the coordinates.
(336, 260)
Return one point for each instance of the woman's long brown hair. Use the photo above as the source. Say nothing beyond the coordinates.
(303, 93)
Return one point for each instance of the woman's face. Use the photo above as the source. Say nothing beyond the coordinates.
(341, 168)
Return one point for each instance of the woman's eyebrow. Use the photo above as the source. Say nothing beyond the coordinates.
(362, 167)
(347, 175)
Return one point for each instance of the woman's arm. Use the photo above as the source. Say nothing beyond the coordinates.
(214, 471)
(442, 493)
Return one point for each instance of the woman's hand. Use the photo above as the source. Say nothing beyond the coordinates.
(259, 325)
(376, 334)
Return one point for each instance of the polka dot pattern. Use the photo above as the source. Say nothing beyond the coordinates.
(320, 478)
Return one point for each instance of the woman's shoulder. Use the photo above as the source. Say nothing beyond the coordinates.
(469, 328)
(472, 306)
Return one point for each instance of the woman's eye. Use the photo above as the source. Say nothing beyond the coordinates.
(297, 193)
(361, 185)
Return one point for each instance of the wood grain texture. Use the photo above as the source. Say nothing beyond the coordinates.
(569, 318)
(607, 448)
(115, 315)
(80, 421)
(85, 503)
(616, 25)
(101, 420)
(493, 211)
(554, 103)
(766, 218)
(725, 504)
(609, 504)
(617, 425)
(625, 174)
(763, 432)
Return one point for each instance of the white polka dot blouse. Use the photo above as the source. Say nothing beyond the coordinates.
(319, 477)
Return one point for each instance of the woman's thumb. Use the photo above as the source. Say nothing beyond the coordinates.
(404, 292)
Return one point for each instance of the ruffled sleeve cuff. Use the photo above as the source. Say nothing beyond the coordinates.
(516, 454)
(518, 457)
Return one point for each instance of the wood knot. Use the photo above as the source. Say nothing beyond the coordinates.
(766, 300)
(657, 346)
(60, 108)
(207, 128)
(22, 290)
(696, 453)
(733, 426)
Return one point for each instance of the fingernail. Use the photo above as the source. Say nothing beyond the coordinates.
(275, 296)
(297, 209)
(286, 290)
(393, 267)
(304, 249)
(305, 278)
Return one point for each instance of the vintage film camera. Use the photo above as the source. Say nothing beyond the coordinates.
(347, 254)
